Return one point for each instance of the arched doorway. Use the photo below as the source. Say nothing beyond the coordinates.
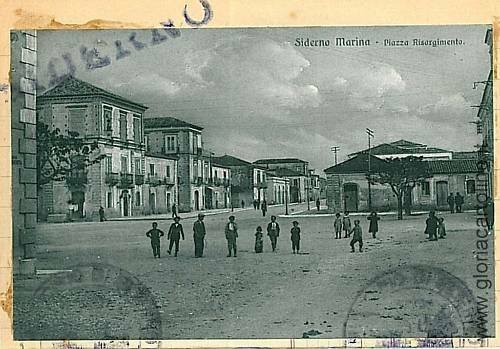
(351, 197)
(196, 200)
(126, 203)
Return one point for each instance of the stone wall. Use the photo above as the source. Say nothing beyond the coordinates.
(24, 188)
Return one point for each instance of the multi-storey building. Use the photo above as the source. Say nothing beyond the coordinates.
(219, 188)
(278, 189)
(248, 181)
(296, 171)
(115, 123)
(171, 136)
(160, 190)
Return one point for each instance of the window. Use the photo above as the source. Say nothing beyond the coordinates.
(108, 164)
(152, 169)
(138, 198)
(170, 140)
(123, 125)
(77, 120)
(124, 164)
(258, 177)
(137, 130)
(146, 141)
(107, 119)
(295, 182)
(137, 166)
(471, 186)
(109, 200)
(426, 188)
(168, 171)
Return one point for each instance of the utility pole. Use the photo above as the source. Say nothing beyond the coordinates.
(287, 187)
(370, 134)
(335, 149)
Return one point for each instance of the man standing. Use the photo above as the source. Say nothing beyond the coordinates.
(431, 225)
(231, 232)
(459, 201)
(273, 231)
(451, 203)
(199, 236)
(174, 234)
(102, 218)
(155, 234)
(174, 210)
(263, 206)
(318, 204)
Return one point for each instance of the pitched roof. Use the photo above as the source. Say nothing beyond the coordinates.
(465, 155)
(228, 160)
(453, 166)
(73, 87)
(401, 147)
(167, 121)
(279, 161)
(403, 143)
(357, 164)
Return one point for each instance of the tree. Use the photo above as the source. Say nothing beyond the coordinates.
(61, 155)
(402, 175)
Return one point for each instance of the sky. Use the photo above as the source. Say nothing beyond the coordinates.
(258, 95)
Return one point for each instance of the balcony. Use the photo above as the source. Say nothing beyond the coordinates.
(199, 181)
(77, 180)
(169, 181)
(227, 183)
(139, 179)
(262, 185)
(154, 180)
(112, 178)
(216, 182)
(126, 181)
(199, 151)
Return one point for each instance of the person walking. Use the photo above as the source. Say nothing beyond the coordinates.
(102, 218)
(273, 231)
(199, 236)
(459, 201)
(174, 234)
(259, 241)
(155, 234)
(357, 236)
(451, 203)
(346, 224)
(441, 228)
(231, 232)
(318, 204)
(255, 204)
(295, 237)
(337, 225)
(373, 218)
(431, 226)
(263, 207)
(174, 210)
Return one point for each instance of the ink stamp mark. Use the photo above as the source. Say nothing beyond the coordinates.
(92, 301)
(413, 301)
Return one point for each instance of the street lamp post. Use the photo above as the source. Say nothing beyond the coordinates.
(370, 134)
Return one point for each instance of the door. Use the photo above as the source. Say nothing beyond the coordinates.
(78, 199)
(152, 202)
(351, 197)
(169, 208)
(196, 200)
(126, 204)
(442, 193)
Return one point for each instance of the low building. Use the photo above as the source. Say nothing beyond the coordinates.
(298, 184)
(278, 189)
(348, 190)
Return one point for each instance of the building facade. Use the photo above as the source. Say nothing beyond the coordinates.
(348, 190)
(160, 184)
(278, 190)
(171, 136)
(116, 124)
(219, 187)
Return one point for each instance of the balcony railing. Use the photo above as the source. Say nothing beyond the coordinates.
(77, 180)
(139, 179)
(155, 180)
(126, 180)
(199, 151)
(199, 181)
(226, 182)
(112, 178)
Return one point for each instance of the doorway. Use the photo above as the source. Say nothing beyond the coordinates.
(78, 199)
(196, 200)
(169, 208)
(351, 197)
(152, 202)
(442, 193)
(126, 203)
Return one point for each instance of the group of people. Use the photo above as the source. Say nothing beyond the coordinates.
(455, 202)
(176, 232)
(257, 205)
(343, 224)
(435, 227)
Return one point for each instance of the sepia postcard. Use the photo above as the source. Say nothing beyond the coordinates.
(294, 184)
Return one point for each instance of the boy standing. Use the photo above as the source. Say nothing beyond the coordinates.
(155, 234)
(431, 225)
(338, 226)
(346, 224)
(373, 218)
(231, 232)
(357, 236)
(199, 236)
(259, 241)
(295, 232)
(441, 228)
(174, 234)
(273, 231)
